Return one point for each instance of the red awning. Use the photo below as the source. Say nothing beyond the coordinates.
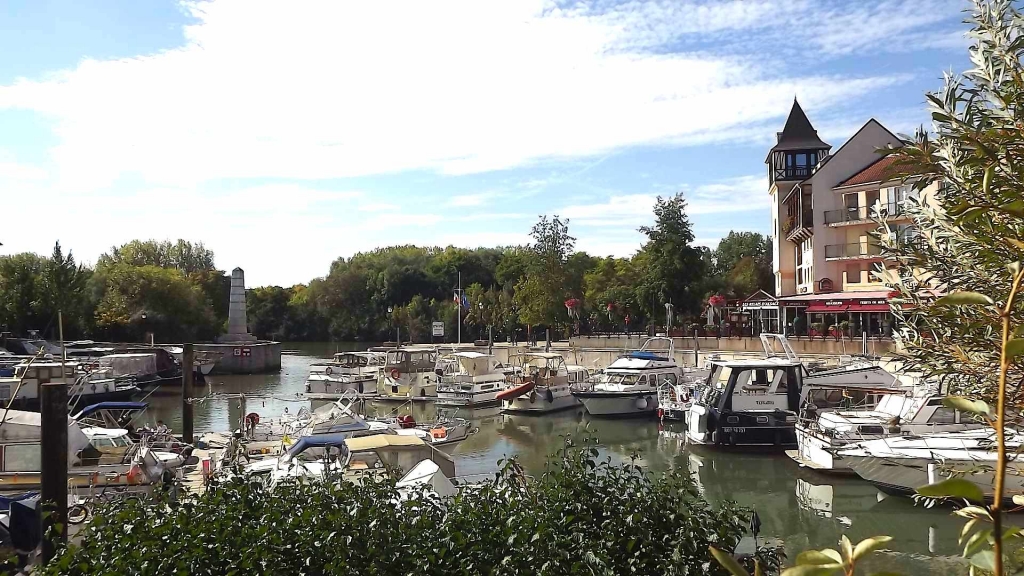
(820, 308)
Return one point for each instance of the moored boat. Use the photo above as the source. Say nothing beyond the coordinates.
(629, 386)
(540, 383)
(469, 379)
(409, 374)
(902, 465)
(356, 371)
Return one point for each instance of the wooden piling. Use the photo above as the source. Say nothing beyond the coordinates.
(187, 377)
(53, 414)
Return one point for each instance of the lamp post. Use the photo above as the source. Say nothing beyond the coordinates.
(480, 317)
(391, 321)
(151, 336)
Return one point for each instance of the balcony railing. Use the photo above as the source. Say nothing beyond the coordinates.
(793, 172)
(861, 213)
(856, 250)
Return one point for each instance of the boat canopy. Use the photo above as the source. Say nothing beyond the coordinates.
(94, 408)
(21, 427)
(646, 355)
(335, 440)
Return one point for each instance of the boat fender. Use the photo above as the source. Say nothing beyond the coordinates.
(661, 414)
(549, 397)
(252, 419)
(106, 387)
(533, 397)
(94, 388)
(641, 403)
(360, 388)
(395, 373)
(329, 371)
(423, 392)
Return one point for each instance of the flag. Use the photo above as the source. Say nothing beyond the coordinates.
(455, 298)
(465, 302)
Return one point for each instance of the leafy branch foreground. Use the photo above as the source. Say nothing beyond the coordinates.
(579, 516)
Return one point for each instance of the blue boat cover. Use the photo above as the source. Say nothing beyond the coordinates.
(336, 439)
(5, 501)
(645, 355)
(93, 408)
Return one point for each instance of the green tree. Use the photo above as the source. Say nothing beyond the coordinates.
(742, 265)
(541, 294)
(62, 288)
(674, 266)
(140, 299)
(21, 293)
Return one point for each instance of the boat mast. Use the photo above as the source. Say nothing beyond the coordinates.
(458, 307)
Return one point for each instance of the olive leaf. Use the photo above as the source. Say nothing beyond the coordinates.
(869, 545)
(953, 488)
(964, 298)
(728, 562)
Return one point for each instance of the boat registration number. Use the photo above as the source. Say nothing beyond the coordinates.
(736, 430)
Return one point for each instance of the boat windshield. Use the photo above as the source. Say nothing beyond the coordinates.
(623, 379)
(719, 377)
(351, 361)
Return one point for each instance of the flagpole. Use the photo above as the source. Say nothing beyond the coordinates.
(458, 306)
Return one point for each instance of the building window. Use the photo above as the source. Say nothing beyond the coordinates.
(804, 262)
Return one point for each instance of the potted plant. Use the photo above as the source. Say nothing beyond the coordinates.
(817, 329)
(844, 328)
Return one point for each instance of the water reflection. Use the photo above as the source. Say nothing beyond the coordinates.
(800, 507)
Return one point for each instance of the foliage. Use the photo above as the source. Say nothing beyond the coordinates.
(579, 516)
(540, 293)
(181, 255)
(21, 292)
(139, 299)
(674, 265)
(744, 261)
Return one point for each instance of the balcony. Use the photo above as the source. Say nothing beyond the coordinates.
(857, 250)
(793, 173)
(865, 281)
(862, 214)
(797, 230)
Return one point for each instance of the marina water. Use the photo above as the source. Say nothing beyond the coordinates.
(802, 508)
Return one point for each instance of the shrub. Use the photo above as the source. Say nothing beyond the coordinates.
(579, 516)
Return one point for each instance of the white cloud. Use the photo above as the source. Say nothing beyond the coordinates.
(616, 211)
(742, 194)
(325, 90)
(478, 199)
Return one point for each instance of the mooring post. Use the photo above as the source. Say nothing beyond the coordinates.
(696, 349)
(187, 376)
(547, 340)
(53, 415)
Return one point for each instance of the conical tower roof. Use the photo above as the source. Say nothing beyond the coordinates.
(798, 133)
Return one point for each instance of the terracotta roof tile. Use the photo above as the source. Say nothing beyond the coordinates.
(878, 171)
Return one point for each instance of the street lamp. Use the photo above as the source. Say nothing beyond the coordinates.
(390, 320)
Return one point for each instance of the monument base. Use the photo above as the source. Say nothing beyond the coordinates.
(236, 339)
(255, 357)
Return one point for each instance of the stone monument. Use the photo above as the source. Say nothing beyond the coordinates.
(239, 352)
(238, 322)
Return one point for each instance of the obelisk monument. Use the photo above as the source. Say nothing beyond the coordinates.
(238, 323)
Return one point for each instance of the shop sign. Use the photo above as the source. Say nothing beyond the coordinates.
(857, 302)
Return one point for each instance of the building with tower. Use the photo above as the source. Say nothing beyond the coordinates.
(825, 247)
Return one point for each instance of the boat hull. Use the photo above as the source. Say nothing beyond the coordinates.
(769, 430)
(468, 399)
(903, 476)
(539, 402)
(337, 387)
(642, 403)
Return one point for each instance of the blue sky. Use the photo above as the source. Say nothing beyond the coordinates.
(285, 134)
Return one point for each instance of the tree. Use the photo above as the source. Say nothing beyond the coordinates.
(21, 292)
(62, 288)
(181, 255)
(140, 299)
(675, 267)
(743, 263)
(541, 294)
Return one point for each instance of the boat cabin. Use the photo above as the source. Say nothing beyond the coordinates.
(753, 385)
(411, 359)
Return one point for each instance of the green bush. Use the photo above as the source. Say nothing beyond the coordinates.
(579, 516)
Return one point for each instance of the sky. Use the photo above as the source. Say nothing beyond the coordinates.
(286, 134)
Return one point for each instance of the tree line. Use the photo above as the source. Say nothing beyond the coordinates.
(174, 290)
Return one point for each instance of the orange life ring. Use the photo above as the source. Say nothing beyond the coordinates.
(395, 373)
(252, 418)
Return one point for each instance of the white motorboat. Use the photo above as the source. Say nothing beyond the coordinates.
(357, 371)
(88, 466)
(901, 465)
(320, 455)
(469, 379)
(409, 374)
(204, 361)
(85, 385)
(540, 383)
(755, 402)
(630, 384)
(822, 431)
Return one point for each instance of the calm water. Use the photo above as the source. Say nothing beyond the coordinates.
(804, 509)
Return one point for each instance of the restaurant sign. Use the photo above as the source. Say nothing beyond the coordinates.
(858, 302)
